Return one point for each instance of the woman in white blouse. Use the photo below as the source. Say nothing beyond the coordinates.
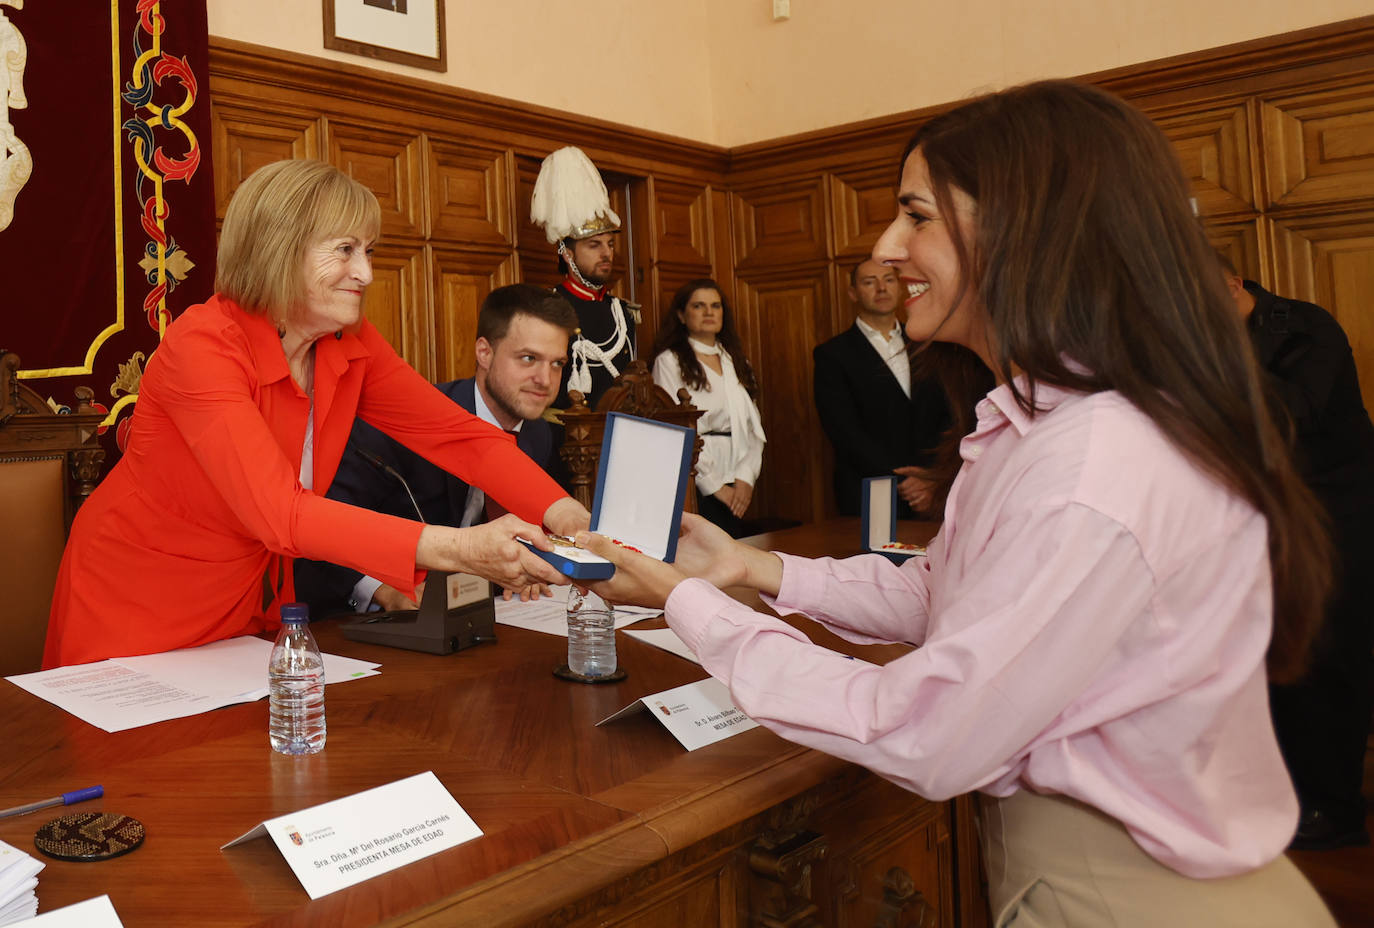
(698, 348)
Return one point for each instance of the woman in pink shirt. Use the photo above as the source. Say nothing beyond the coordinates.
(1127, 554)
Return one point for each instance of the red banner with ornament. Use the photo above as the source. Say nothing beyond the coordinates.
(107, 216)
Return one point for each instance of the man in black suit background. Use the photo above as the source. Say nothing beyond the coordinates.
(1322, 721)
(879, 421)
(522, 348)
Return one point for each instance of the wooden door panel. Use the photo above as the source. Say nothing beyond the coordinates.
(388, 164)
(247, 138)
(1213, 145)
(470, 190)
(1319, 147)
(1244, 241)
(682, 223)
(863, 204)
(1329, 260)
(778, 314)
(397, 303)
(780, 224)
(462, 281)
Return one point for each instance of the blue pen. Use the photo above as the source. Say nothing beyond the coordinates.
(66, 799)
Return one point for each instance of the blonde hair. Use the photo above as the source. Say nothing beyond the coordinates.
(274, 216)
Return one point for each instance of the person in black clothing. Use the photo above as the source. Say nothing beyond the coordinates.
(604, 342)
(880, 415)
(571, 203)
(522, 349)
(1323, 720)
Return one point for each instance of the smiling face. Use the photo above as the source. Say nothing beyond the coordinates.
(337, 270)
(519, 375)
(595, 257)
(704, 315)
(919, 246)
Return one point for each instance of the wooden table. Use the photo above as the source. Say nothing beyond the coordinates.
(582, 825)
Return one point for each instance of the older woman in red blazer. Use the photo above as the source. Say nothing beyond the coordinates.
(243, 414)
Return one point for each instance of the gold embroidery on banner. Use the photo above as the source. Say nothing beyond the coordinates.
(16, 163)
(130, 374)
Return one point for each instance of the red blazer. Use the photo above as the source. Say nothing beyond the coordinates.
(188, 539)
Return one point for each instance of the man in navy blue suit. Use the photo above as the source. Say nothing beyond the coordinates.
(522, 349)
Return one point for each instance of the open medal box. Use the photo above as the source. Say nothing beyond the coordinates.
(641, 485)
(879, 503)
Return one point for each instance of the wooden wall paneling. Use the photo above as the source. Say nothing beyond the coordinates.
(1214, 147)
(779, 310)
(682, 222)
(248, 135)
(462, 280)
(1329, 260)
(863, 203)
(471, 192)
(528, 235)
(386, 162)
(398, 304)
(780, 223)
(1246, 243)
(539, 266)
(1319, 146)
(637, 256)
(722, 239)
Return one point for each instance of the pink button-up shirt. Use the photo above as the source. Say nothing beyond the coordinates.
(1092, 621)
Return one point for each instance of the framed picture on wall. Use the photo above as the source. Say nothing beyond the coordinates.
(401, 31)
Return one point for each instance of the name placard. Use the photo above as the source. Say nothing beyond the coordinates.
(697, 714)
(346, 841)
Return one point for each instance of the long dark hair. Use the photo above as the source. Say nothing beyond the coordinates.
(672, 336)
(1086, 250)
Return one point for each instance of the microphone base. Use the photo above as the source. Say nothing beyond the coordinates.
(432, 628)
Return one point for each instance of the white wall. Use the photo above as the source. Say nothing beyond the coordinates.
(722, 71)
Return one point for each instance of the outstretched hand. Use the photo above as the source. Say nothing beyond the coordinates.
(707, 551)
(639, 580)
(491, 551)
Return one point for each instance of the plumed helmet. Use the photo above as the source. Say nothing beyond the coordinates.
(570, 199)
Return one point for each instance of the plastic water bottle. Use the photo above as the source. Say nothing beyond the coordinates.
(591, 635)
(295, 686)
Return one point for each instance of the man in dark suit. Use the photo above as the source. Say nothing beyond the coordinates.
(879, 420)
(522, 348)
(1322, 721)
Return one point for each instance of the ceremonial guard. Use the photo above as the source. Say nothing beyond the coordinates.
(571, 203)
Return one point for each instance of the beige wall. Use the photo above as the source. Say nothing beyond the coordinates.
(722, 71)
(612, 59)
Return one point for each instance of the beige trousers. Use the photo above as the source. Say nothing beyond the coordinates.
(1054, 862)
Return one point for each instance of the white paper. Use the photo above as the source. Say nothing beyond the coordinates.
(549, 614)
(128, 692)
(340, 843)
(697, 714)
(93, 913)
(18, 882)
(664, 638)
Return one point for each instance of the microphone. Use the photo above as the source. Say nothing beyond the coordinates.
(390, 471)
(433, 627)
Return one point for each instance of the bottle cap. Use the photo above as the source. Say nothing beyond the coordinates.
(295, 612)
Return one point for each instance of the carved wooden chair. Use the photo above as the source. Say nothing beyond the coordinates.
(634, 393)
(49, 463)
